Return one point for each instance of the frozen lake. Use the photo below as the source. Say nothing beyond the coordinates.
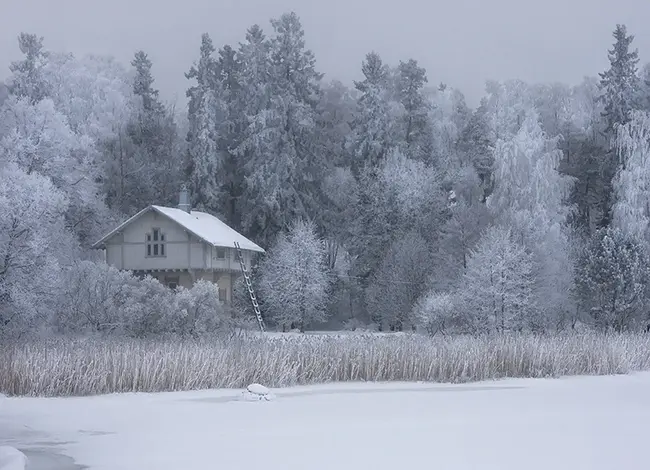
(588, 423)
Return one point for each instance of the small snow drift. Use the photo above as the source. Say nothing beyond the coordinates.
(12, 459)
(256, 392)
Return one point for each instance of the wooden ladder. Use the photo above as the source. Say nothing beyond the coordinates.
(249, 286)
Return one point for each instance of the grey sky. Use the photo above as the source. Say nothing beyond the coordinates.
(460, 42)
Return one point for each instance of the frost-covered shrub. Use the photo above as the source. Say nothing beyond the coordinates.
(198, 310)
(435, 312)
(101, 299)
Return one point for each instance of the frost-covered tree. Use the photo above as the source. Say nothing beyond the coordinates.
(27, 75)
(374, 127)
(553, 102)
(449, 115)
(644, 76)
(38, 139)
(416, 132)
(153, 133)
(93, 92)
(206, 116)
(231, 176)
(498, 287)
(620, 84)
(508, 104)
(613, 281)
(335, 114)
(530, 196)
(461, 231)
(399, 282)
(34, 243)
(631, 211)
(415, 188)
(294, 279)
(528, 185)
(279, 141)
(477, 149)
(586, 108)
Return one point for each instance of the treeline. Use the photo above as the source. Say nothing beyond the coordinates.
(391, 203)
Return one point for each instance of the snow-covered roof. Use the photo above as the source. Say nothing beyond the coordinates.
(203, 225)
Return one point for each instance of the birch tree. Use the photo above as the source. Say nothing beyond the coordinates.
(631, 212)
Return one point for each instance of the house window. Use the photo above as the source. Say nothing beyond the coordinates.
(221, 253)
(156, 243)
(222, 295)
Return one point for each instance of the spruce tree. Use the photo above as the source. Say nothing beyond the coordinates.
(372, 136)
(27, 80)
(203, 156)
(411, 79)
(620, 84)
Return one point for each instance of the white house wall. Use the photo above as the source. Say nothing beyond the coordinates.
(178, 253)
(229, 262)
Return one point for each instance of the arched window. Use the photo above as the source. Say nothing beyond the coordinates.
(155, 243)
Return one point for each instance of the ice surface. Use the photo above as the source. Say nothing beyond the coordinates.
(590, 423)
(12, 459)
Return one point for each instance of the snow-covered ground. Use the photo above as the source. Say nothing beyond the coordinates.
(588, 423)
(12, 459)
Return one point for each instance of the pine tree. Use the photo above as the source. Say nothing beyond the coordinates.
(620, 83)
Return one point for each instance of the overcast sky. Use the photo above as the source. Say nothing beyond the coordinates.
(460, 42)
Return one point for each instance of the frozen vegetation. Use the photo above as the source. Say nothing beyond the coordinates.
(88, 367)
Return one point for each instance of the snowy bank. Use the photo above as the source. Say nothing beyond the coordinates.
(12, 459)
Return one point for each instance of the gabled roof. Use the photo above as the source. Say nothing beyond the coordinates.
(201, 224)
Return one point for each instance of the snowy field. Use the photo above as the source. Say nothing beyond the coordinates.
(587, 423)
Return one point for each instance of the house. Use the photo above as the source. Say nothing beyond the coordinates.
(178, 246)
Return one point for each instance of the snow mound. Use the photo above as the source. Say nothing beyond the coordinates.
(257, 392)
(258, 389)
(12, 459)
